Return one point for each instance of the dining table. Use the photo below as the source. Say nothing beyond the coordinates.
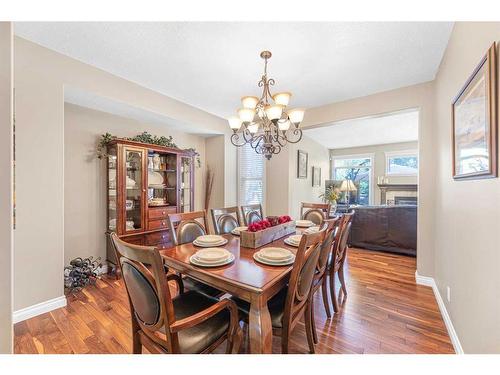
(244, 278)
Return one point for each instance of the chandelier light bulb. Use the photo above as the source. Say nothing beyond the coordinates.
(273, 112)
(246, 114)
(249, 102)
(282, 98)
(296, 115)
(234, 122)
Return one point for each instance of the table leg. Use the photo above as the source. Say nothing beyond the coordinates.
(260, 328)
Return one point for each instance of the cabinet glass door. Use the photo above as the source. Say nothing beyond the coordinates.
(134, 189)
(112, 189)
(185, 188)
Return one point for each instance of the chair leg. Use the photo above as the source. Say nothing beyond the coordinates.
(136, 343)
(234, 341)
(325, 297)
(333, 293)
(342, 280)
(313, 322)
(309, 328)
(285, 337)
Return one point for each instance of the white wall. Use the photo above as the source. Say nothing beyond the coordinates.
(284, 191)
(466, 213)
(40, 76)
(85, 175)
(379, 163)
(6, 142)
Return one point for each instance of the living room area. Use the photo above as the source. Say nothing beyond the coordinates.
(374, 172)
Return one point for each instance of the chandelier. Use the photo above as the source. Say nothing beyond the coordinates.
(266, 126)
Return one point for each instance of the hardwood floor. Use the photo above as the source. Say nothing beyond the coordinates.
(385, 312)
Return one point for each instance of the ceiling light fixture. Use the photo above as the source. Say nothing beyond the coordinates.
(266, 126)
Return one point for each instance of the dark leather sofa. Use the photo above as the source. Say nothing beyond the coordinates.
(385, 228)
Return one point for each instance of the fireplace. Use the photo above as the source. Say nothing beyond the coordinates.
(405, 201)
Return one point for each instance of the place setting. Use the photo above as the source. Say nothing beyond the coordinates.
(304, 223)
(236, 231)
(274, 256)
(311, 230)
(293, 240)
(211, 257)
(210, 240)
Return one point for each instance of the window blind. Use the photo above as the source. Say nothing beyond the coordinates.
(250, 176)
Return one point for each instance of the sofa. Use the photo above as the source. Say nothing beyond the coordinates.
(385, 228)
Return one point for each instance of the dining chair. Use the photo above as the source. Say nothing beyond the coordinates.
(252, 213)
(320, 277)
(316, 212)
(290, 304)
(225, 220)
(339, 253)
(189, 323)
(185, 228)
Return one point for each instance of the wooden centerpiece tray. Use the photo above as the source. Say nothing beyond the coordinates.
(262, 237)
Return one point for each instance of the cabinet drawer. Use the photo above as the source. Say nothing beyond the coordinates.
(134, 240)
(160, 212)
(158, 239)
(157, 224)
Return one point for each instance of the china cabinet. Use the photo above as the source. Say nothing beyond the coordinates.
(145, 183)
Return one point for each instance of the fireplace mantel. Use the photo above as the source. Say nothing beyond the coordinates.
(384, 188)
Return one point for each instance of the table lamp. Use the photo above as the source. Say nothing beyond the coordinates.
(347, 186)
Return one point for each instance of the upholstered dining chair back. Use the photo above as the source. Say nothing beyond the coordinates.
(330, 226)
(316, 212)
(149, 296)
(342, 248)
(190, 225)
(225, 220)
(301, 278)
(252, 213)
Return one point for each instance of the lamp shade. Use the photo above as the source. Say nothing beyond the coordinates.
(253, 128)
(234, 122)
(284, 125)
(249, 102)
(273, 112)
(282, 98)
(347, 185)
(296, 115)
(246, 114)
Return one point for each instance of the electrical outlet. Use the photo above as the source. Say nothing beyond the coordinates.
(448, 293)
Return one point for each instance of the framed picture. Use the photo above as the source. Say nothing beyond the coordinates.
(316, 180)
(474, 119)
(302, 164)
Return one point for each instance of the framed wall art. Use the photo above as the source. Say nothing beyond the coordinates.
(474, 122)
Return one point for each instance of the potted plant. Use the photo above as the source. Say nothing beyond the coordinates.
(331, 195)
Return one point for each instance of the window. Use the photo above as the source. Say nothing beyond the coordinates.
(359, 170)
(401, 163)
(251, 176)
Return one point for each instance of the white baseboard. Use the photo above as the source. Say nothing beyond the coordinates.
(429, 281)
(38, 309)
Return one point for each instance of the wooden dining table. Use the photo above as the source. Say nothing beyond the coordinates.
(244, 278)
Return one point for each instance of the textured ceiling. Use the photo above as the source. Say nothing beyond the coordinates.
(211, 65)
(391, 128)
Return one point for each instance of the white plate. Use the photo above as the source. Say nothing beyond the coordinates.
(294, 244)
(273, 263)
(236, 231)
(209, 238)
(312, 230)
(212, 255)
(304, 223)
(223, 242)
(275, 253)
(295, 238)
(155, 178)
(194, 260)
